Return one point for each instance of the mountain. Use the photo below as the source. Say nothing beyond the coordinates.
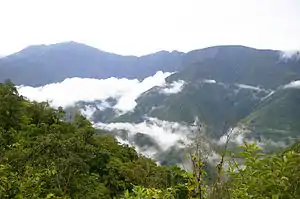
(222, 84)
(240, 65)
(213, 104)
(220, 87)
(43, 64)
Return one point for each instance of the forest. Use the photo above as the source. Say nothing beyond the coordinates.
(45, 154)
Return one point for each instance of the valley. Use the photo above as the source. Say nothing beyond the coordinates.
(219, 87)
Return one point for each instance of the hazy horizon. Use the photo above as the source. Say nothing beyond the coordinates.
(3, 55)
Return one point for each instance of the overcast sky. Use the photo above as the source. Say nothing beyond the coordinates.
(139, 27)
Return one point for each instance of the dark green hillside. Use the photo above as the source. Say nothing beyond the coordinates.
(213, 104)
(278, 116)
(239, 64)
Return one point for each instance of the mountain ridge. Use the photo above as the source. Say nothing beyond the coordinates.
(43, 64)
(218, 85)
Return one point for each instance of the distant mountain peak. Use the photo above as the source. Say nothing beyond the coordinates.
(227, 63)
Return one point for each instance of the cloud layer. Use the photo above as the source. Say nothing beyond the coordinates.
(174, 87)
(165, 134)
(292, 54)
(293, 84)
(71, 90)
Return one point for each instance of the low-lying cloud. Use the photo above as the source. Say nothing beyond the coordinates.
(209, 81)
(245, 86)
(292, 54)
(236, 135)
(174, 87)
(293, 84)
(166, 134)
(71, 90)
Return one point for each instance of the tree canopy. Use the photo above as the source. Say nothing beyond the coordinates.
(44, 156)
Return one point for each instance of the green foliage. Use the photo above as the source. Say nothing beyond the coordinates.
(150, 193)
(43, 156)
(261, 176)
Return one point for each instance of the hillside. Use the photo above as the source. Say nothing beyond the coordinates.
(221, 87)
(239, 65)
(277, 118)
(44, 156)
(212, 103)
(44, 64)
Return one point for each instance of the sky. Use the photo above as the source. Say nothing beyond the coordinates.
(138, 27)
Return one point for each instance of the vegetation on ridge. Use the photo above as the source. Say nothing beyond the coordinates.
(43, 156)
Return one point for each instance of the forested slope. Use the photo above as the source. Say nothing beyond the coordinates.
(43, 156)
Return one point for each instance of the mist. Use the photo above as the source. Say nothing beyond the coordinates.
(162, 137)
(72, 90)
(163, 134)
(292, 54)
(293, 84)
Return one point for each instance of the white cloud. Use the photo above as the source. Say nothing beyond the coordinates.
(293, 84)
(127, 101)
(166, 134)
(84, 89)
(103, 105)
(88, 111)
(244, 86)
(236, 135)
(291, 54)
(174, 87)
(209, 81)
(267, 96)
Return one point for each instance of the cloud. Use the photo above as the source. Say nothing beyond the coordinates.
(72, 90)
(209, 81)
(174, 87)
(127, 101)
(166, 134)
(293, 84)
(292, 54)
(88, 111)
(267, 96)
(244, 86)
(236, 134)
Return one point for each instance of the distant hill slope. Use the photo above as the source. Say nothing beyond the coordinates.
(43, 64)
(222, 83)
(277, 117)
(241, 65)
(214, 104)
